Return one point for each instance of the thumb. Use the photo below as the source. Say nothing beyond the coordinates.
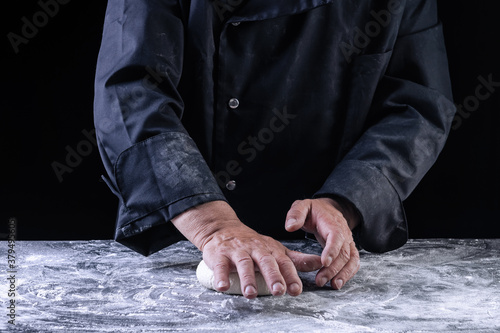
(297, 215)
(305, 262)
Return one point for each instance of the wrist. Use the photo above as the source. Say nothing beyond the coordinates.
(348, 210)
(200, 223)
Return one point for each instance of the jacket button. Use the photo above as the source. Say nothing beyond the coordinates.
(231, 185)
(233, 103)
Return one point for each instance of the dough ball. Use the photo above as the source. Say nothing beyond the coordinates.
(206, 278)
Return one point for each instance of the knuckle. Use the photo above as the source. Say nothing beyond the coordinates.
(342, 239)
(267, 241)
(265, 259)
(347, 273)
(345, 254)
(350, 270)
(245, 260)
(284, 260)
(305, 202)
(255, 243)
(333, 271)
(221, 266)
(247, 277)
(338, 216)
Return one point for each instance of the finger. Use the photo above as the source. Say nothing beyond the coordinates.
(270, 270)
(332, 247)
(221, 271)
(329, 272)
(246, 272)
(297, 215)
(348, 271)
(305, 262)
(289, 273)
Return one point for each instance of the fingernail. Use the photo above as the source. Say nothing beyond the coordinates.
(323, 281)
(278, 288)
(221, 284)
(294, 288)
(290, 223)
(339, 283)
(328, 261)
(250, 290)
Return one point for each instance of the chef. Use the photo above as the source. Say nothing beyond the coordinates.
(238, 123)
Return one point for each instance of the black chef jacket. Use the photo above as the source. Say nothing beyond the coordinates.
(261, 103)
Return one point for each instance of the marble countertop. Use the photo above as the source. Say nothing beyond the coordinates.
(101, 286)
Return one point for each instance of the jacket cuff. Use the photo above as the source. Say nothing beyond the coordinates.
(154, 231)
(156, 180)
(383, 224)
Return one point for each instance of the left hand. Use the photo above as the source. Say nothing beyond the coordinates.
(323, 218)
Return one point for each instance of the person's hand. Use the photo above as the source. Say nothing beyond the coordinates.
(228, 246)
(323, 218)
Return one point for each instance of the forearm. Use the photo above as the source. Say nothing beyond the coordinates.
(153, 165)
(407, 124)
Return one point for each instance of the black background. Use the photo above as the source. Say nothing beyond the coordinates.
(46, 104)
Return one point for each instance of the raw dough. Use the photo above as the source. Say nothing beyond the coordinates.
(206, 278)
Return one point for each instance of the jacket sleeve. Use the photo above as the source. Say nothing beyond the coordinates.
(407, 125)
(153, 165)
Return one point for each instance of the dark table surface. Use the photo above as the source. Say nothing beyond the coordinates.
(101, 286)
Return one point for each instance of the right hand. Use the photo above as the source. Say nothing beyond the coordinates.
(230, 246)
